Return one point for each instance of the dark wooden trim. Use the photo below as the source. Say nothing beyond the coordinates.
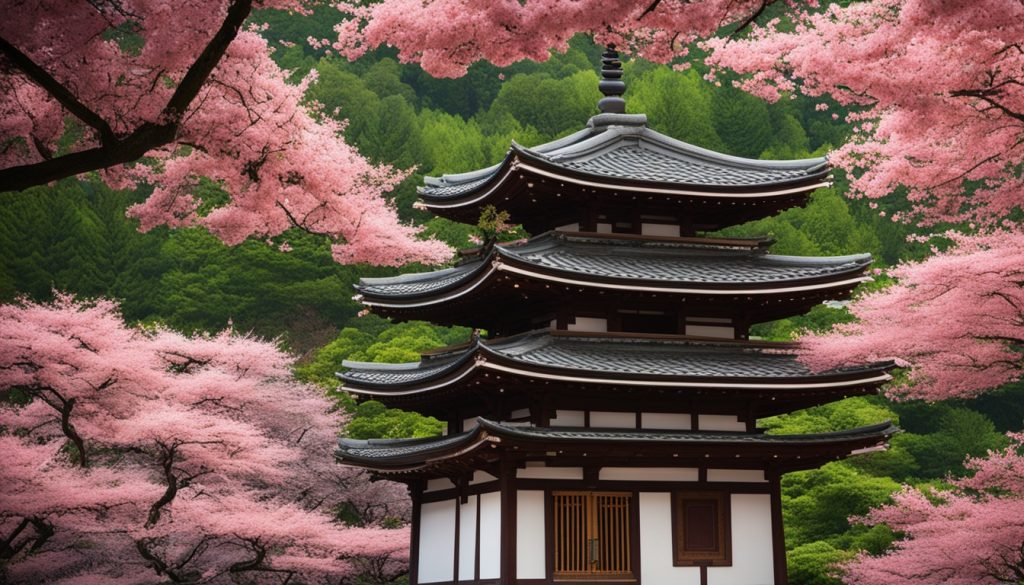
(634, 536)
(703, 575)
(416, 493)
(458, 543)
(476, 553)
(702, 474)
(469, 490)
(549, 536)
(508, 522)
(732, 487)
(781, 572)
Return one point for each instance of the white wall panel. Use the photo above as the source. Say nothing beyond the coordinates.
(665, 420)
(490, 535)
(720, 422)
(437, 541)
(659, 229)
(467, 540)
(612, 420)
(589, 324)
(711, 331)
(481, 477)
(751, 543)
(530, 535)
(442, 483)
(656, 544)
(649, 474)
(753, 475)
(551, 472)
(568, 418)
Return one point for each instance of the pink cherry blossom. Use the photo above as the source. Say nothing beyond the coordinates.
(120, 70)
(957, 319)
(969, 536)
(143, 456)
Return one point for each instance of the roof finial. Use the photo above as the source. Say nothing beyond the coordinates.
(611, 84)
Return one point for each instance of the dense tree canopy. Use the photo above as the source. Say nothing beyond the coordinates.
(144, 456)
(202, 100)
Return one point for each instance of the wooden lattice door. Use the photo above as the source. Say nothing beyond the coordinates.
(592, 535)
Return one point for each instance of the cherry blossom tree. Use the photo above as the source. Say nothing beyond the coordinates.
(144, 456)
(973, 535)
(99, 84)
(956, 318)
(446, 36)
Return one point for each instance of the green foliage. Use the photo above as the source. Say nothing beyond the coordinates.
(813, 563)
(817, 503)
(940, 436)
(373, 420)
(676, 104)
(557, 106)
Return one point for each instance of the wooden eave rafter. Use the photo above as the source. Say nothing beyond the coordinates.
(490, 442)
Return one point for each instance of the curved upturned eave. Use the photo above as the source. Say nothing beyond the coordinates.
(508, 261)
(520, 159)
(479, 357)
(405, 456)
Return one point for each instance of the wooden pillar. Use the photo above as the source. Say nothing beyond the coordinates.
(507, 482)
(778, 535)
(416, 494)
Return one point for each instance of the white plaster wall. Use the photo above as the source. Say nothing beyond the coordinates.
(530, 535)
(720, 422)
(751, 543)
(490, 535)
(604, 228)
(437, 541)
(659, 229)
(467, 540)
(589, 324)
(648, 474)
(550, 472)
(468, 423)
(613, 420)
(568, 418)
(711, 331)
(656, 544)
(753, 475)
(442, 483)
(572, 227)
(519, 414)
(481, 477)
(665, 420)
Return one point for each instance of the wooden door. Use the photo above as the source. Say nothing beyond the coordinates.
(592, 535)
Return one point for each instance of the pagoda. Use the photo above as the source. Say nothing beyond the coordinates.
(604, 428)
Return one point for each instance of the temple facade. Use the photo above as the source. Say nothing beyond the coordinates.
(604, 428)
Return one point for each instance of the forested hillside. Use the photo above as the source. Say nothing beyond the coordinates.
(75, 237)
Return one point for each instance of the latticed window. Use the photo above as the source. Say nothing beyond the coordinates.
(700, 529)
(592, 535)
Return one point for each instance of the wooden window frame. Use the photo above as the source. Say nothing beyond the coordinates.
(627, 546)
(722, 555)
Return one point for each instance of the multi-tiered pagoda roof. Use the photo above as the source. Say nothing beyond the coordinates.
(611, 366)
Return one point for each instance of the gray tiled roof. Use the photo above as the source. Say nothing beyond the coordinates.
(633, 260)
(638, 162)
(663, 358)
(622, 147)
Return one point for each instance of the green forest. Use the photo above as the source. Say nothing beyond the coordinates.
(74, 237)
